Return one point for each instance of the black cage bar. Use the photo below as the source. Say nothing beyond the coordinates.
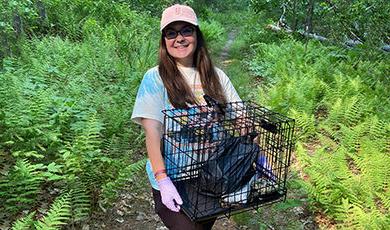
(227, 158)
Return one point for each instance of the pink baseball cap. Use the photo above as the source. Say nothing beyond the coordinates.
(178, 13)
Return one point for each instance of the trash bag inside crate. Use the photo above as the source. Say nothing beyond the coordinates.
(229, 167)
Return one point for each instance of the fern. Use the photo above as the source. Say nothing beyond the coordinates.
(357, 178)
(354, 110)
(305, 124)
(27, 116)
(351, 138)
(374, 165)
(335, 113)
(359, 218)
(21, 186)
(378, 133)
(58, 215)
(80, 201)
(346, 159)
(87, 147)
(385, 201)
(87, 131)
(24, 223)
(65, 104)
(110, 190)
(80, 155)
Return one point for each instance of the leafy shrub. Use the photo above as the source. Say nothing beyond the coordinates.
(212, 30)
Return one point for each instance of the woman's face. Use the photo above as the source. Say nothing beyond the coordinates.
(180, 40)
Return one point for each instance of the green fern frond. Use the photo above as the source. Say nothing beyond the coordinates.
(80, 201)
(58, 215)
(302, 155)
(21, 186)
(305, 124)
(335, 111)
(328, 180)
(81, 155)
(88, 132)
(385, 200)
(10, 88)
(374, 165)
(343, 209)
(348, 175)
(377, 133)
(27, 115)
(330, 131)
(354, 110)
(111, 189)
(377, 128)
(350, 137)
(24, 223)
(359, 218)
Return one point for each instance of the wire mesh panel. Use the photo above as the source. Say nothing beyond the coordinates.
(227, 158)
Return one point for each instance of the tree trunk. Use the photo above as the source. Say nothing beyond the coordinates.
(309, 16)
(295, 17)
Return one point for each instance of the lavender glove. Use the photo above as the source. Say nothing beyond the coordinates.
(169, 195)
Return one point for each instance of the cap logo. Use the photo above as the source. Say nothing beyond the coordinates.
(178, 11)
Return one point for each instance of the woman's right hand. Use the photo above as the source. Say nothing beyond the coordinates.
(169, 195)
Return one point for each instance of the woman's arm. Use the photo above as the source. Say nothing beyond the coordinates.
(169, 195)
(153, 130)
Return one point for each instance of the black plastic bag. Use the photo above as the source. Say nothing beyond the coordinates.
(229, 167)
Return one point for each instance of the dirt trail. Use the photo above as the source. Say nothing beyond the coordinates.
(136, 211)
(224, 56)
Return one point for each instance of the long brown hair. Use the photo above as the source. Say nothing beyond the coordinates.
(179, 93)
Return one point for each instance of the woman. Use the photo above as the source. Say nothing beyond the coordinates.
(184, 74)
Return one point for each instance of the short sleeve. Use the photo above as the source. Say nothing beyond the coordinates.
(229, 90)
(150, 98)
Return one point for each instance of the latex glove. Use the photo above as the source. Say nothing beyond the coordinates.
(169, 195)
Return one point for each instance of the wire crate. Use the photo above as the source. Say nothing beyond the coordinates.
(227, 158)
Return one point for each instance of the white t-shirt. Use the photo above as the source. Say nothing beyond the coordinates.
(152, 98)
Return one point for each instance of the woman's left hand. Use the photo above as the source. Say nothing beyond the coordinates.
(169, 195)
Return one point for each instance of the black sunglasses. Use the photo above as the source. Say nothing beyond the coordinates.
(186, 31)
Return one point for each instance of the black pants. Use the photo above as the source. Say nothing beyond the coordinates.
(177, 220)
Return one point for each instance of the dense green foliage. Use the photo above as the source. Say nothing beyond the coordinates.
(67, 88)
(65, 109)
(340, 101)
(70, 70)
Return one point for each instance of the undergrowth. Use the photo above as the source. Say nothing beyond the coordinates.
(334, 98)
(69, 76)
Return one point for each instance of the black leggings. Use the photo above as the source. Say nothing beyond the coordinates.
(177, 220)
